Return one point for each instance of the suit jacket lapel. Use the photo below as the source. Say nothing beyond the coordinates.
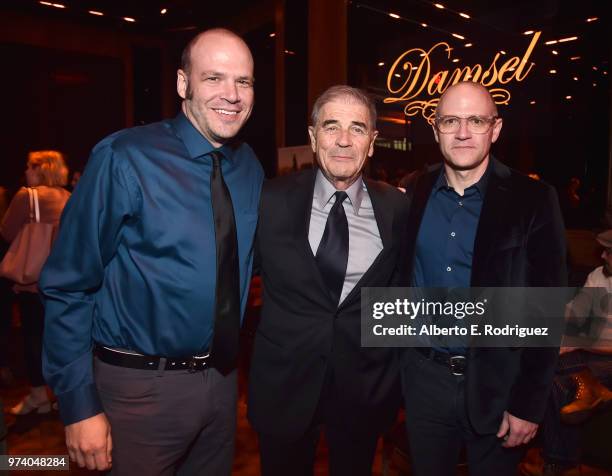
(496, 201)
(420, 196)
(299, 202)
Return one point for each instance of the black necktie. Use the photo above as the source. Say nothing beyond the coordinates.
(226, 336)
(332, 254)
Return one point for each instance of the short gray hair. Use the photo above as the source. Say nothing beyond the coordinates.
(342, 91)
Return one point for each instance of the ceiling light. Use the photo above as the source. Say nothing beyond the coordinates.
(553, 71)
(381, 63)
(532, 102)
(571, 38)
(424, 25)
(528, 32)
(574, 58)
(413, 68)
(95, 12)
(456, 60)
(594, 68)
(554, 52)
(575, 78)
(589, 20)
(467, 45)
(568, 97)
(163, 11)
(551, 42)
(439, 5)
(464, 15)
(456, 35)
(48, 4)
(129, 19)
(397, 75)
(272, 35)
(502, 52)
(394, 15)
(58, 5)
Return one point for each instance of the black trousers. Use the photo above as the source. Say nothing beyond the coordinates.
(351, 453)
(32, 325)
(438, 425)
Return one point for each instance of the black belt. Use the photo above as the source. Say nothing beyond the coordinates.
(137, 361)
(456, 363)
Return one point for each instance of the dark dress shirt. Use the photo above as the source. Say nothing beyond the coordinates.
(137, 262)
(445, 243)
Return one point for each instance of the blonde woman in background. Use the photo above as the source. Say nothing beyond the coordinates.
(46, 171)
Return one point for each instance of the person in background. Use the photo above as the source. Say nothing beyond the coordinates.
(583, 378)
(46, 171)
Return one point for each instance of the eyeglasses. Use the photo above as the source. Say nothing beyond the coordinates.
(475, 124)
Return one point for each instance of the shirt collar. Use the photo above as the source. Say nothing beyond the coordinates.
(324, 190)
(480, 186)
(197, 145)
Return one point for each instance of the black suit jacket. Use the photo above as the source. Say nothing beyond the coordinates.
(303, 331)
(520, 242)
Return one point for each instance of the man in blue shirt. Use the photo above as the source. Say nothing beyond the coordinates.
(138, 280)
(475, 222)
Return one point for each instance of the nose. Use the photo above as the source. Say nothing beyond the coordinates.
(343, 139)
(463, 132)
(230, 92)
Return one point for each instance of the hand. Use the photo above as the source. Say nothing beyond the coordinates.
(516, 431)
(89, 442)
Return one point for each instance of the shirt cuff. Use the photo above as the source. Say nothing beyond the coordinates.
(79, 404)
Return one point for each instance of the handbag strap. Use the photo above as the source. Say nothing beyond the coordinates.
(34, 207)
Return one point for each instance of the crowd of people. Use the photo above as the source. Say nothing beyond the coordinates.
(134, 320)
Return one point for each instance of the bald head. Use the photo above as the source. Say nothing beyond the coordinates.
(208, 39)
(468, 90)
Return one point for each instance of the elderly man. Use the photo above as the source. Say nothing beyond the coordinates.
(324, 234)
(148, 279)
(476, 222)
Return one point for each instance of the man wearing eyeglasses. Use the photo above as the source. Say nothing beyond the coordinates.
(476, 222)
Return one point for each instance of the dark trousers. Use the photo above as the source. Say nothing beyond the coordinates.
(169, 422)
(32, 325)
(350, 454)
(438, 425)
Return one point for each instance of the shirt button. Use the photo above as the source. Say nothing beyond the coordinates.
(452, 233)
(460, 204)
(448, 268)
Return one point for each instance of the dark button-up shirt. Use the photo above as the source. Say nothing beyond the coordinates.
(445, 242)
(134, 264)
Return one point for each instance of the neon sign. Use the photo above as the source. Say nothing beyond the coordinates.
(414, 70)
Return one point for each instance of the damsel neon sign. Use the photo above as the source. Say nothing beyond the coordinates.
(416, 78)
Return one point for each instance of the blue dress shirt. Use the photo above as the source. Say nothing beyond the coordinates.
(445, 242)
(134, 263)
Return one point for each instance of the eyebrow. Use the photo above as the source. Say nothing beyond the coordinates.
(335, 121)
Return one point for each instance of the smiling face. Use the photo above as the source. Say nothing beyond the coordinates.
(465, 150)
(342, 139)
(217, 90)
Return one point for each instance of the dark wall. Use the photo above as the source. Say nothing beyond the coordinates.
(55, 99)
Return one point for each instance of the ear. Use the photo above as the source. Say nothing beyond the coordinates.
(371, 150)
(181, 83)
(497, 127)
(435, 132)
(313, 138)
